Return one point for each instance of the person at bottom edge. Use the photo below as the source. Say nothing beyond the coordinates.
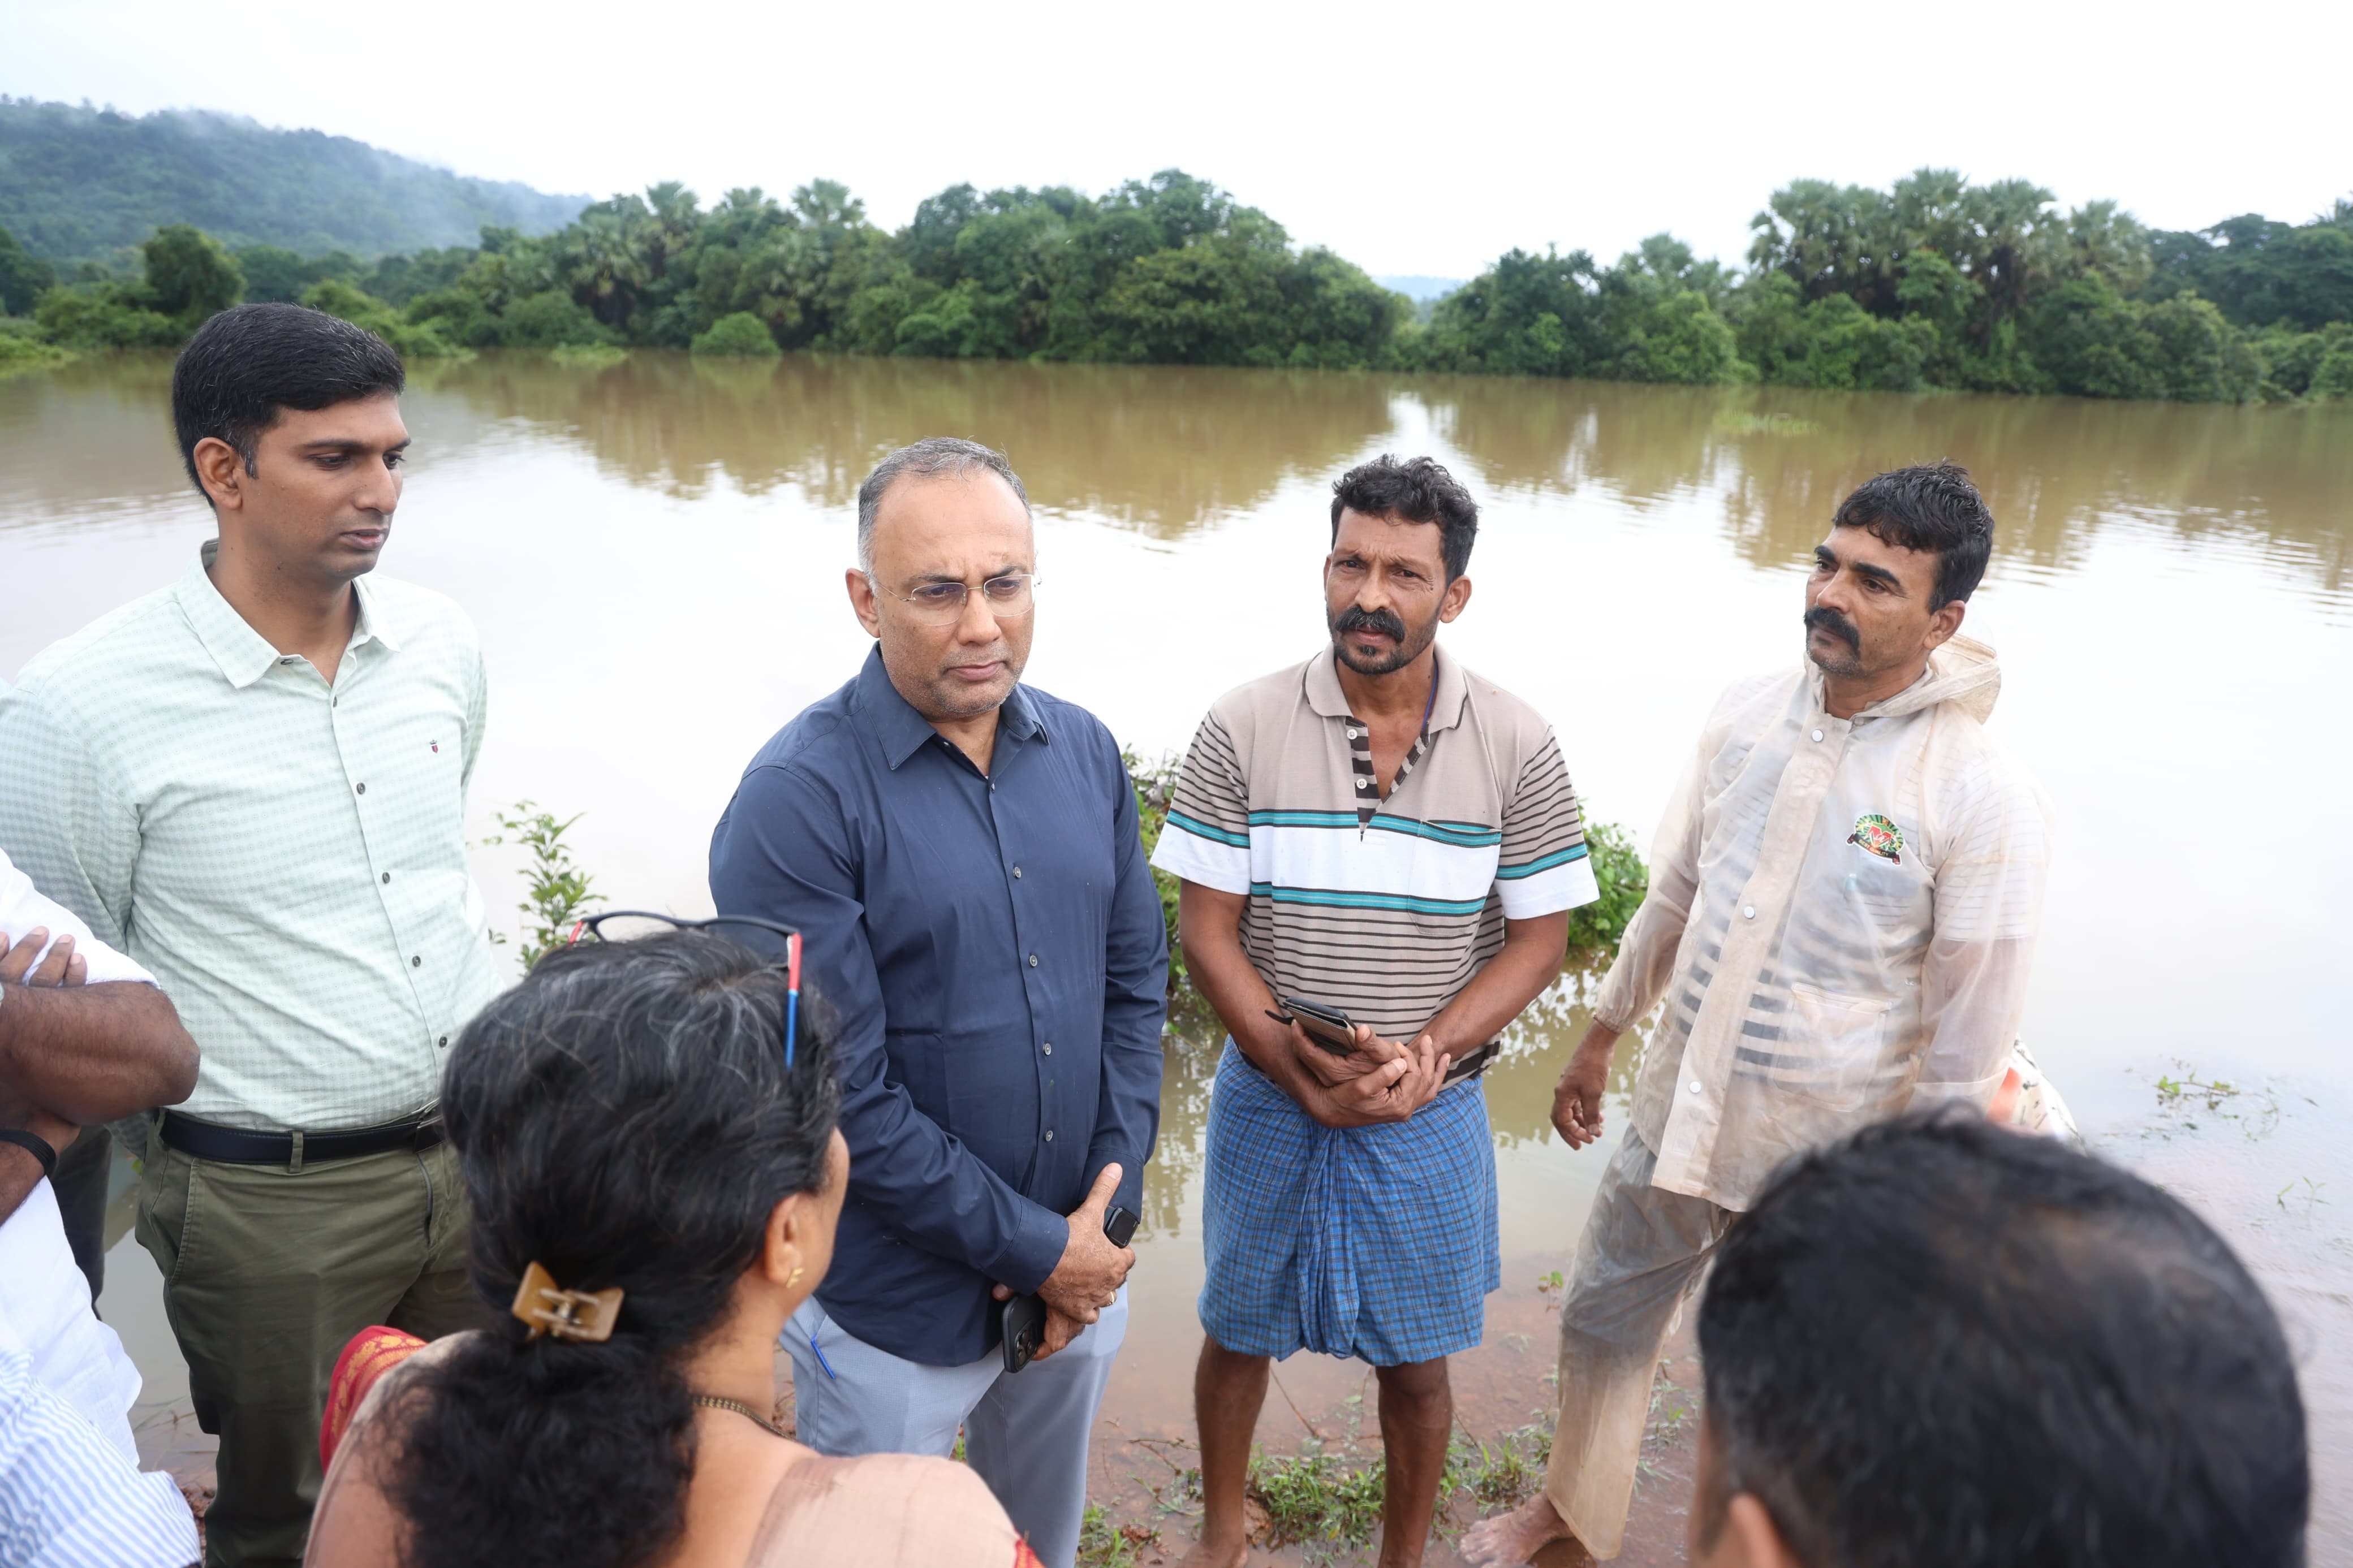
(1942, 1344)
(1381, 831)
(656, 1177)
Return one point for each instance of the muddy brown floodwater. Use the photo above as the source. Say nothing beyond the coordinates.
(653, 553)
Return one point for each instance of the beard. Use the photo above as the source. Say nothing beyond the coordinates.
(1410, 642)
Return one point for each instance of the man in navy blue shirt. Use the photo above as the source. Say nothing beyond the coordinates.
(960, 853)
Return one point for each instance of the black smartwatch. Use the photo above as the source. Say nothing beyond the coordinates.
(33, 1144)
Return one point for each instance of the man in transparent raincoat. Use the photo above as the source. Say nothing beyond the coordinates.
(1843, 904)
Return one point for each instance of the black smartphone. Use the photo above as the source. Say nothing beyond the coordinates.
(1024, 1318)
(1328, 1026)
(1025, 1330)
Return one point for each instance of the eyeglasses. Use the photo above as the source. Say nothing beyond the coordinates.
(759, 935)
(942, 604)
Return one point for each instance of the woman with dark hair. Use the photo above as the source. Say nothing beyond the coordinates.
(656, 1191)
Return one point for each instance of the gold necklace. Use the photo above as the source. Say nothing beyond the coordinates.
(746, 1411)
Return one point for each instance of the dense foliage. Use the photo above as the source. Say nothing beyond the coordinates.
(84, 183)
(1934, 283)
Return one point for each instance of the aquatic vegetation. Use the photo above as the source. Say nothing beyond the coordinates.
(589, 356)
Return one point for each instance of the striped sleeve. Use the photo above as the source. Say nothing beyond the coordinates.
(68, 1499)
(1543, 868)
(1207, 839)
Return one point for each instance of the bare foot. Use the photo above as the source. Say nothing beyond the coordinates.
(1215, 1554)
(1515, 1537)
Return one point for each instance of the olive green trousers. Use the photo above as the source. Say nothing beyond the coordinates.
(268, 1273)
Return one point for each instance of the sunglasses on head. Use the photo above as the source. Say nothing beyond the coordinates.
(628, 925)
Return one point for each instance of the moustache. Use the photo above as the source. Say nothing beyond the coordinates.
(1356, 618)
(1822, 618)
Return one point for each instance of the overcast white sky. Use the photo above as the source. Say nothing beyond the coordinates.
(1422, 139)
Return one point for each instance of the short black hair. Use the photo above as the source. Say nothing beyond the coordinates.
(1419, 491)
(1943, 1342)
(1930, 506)
(249, 362)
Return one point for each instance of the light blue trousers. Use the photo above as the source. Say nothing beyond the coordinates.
(1025, 1434)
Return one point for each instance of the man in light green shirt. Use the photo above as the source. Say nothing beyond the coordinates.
(254, 783)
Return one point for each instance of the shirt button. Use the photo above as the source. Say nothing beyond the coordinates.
(1033, 961)
(1748, 913)
(362, 788)
(1017, 873)
(1352, 735)
(445, 1042)
(1049, 1047)
(1694, 1086)
(1364, 784)
(1050, 1135)
(1818, 735)
(416, 962)
(387, 876)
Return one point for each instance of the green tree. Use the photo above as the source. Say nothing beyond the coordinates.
(22, 276)
(414, 340)
(190, 275)
(1527, 315)
(740, 335)
(549, 319)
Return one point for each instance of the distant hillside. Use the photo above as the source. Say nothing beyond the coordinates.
(78, 183)
(1421, 291)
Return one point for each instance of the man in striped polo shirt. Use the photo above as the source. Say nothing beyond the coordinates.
(1380, 831)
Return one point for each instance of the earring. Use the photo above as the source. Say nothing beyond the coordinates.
(794, 1278)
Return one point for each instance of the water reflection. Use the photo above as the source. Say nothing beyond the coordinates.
(1169, 451)
(1163, 450)
(2055, 471)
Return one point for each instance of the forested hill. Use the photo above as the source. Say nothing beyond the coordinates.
(89, 183)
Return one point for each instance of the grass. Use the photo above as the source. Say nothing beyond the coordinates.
(1105, 1545)
(1672, 1408)
(1323, 1503)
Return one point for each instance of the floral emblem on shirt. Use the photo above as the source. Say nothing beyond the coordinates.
(1877, 834)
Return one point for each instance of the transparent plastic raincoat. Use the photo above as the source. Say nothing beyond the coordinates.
(1841, 918)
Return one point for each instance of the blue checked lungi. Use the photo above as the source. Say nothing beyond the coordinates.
(1377, 1243)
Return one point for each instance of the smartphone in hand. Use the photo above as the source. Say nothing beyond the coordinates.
(1024, 1317)
(1327, 1026)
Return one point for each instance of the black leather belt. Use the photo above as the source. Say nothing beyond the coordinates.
(238, 1146)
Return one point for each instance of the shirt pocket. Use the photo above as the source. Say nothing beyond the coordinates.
(1833, 1045)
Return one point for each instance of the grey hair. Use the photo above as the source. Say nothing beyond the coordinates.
(930, 458)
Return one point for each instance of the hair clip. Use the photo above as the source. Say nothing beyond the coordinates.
(586, 1316)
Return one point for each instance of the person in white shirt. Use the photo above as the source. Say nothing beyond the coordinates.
(85, 1036)
(254, 782)
(1843, 905)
